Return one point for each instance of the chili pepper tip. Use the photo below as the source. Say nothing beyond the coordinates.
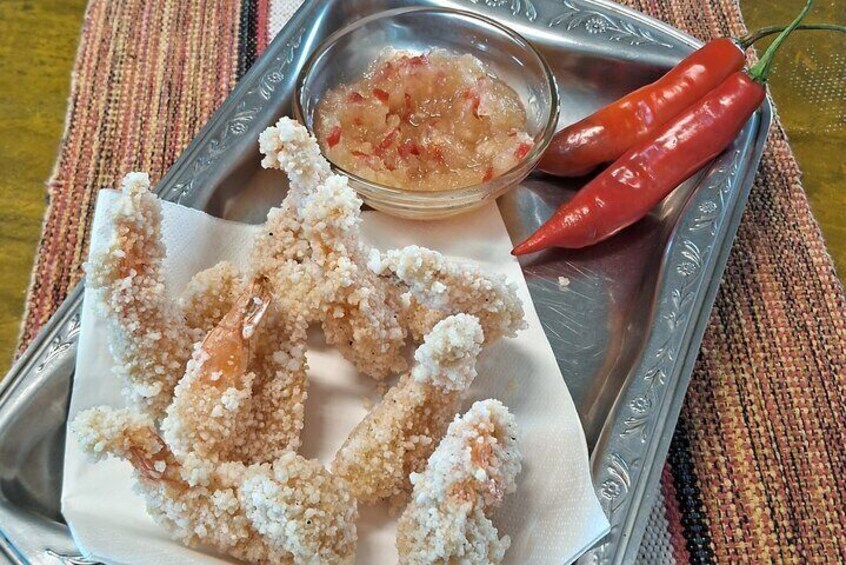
(531, 245)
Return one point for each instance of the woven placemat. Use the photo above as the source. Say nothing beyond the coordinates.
(757, 468)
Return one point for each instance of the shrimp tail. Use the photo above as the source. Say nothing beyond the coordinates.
(213, 400)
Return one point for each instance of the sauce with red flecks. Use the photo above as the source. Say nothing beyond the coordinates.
(433, 121)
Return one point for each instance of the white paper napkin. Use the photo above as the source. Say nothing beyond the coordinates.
(552, 518)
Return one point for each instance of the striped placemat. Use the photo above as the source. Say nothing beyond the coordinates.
(757, 468)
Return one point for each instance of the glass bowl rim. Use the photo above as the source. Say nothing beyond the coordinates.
(374, 189)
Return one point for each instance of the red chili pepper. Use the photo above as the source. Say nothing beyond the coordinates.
(632, 186)
(605, 135)
(408, 105)
(388, 140)
(643, 176)
(419, 60)
(472, 95)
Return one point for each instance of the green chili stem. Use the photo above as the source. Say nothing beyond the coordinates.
(761, 71)
(750, 38)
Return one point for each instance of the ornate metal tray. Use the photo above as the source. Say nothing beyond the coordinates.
(626, 328)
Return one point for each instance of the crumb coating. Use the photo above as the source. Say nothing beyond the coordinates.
(291, 511)
(438, 287)
(209, 295)
(298, 505)
(287, 146)
(243, 393)
(466, 477)
(447, 357)
(397, 436)
(148, 336)
(280, 388)
(312, 245)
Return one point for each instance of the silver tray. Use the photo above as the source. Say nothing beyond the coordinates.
(626, 329)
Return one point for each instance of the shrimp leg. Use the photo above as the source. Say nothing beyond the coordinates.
(148, 336)
(466, 477)
(398, 435)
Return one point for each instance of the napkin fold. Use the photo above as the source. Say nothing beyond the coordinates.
(552, 518)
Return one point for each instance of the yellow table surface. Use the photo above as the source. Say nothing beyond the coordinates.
(38, 42)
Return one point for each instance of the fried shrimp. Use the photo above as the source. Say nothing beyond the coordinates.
(280, 387)
(212, 401)
(398, 435)
(148, 336)
(313, 242)
(438, 287)
(212, 431)
(466, 477)
(359, 312)
(290, 511)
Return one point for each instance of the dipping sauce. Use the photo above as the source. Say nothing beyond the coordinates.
(434, 121)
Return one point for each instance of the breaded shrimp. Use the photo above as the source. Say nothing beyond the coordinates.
(209, 295)
(466, 477)
(275, 420)
(292, 511)
(360, 313)
(312, 245)
(148, 336)
(437, 287)
(281, 251)
(212, 401)
(398, 435)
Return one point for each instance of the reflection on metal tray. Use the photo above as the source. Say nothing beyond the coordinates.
(625, 321)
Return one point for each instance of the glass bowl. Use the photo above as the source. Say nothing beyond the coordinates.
(346, 55)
